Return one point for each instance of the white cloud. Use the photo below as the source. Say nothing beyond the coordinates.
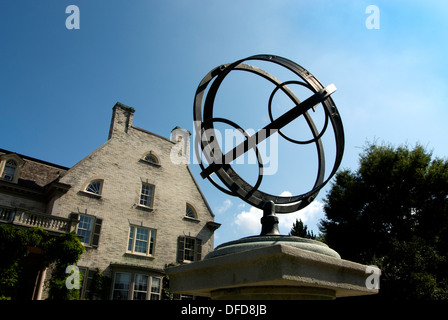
(247, 222)
(224, 207)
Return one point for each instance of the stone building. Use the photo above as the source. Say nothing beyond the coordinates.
(133, 202)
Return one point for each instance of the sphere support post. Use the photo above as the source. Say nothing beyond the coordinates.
(269, 221)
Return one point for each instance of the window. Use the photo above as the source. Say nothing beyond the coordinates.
(141, 240)
(151, 158)
(140, 287)
(95, 187)
(83, 275)
(190, 212)
(189, 249)
(87, 278)
(147, 195)
(88, 229)
(10, 165)
(134, 286)
(156, 288)
(122, 284)
(85, 227)
(9, 170)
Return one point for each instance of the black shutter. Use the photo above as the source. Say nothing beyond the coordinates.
(180, 249)
(96, 232)
(198, 249)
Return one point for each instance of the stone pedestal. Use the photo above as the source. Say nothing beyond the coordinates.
(270, 268)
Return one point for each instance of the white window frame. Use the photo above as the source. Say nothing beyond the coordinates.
(92, 228)
(150, 242)
(157, 293)
(189, 250)
(142, 201)
(140, 290)
(100, 191)
(151, 290)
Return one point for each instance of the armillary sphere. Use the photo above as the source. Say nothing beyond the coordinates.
(219, 163)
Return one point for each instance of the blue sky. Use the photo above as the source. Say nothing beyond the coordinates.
(58, 86)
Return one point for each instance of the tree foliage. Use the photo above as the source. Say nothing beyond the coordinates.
(393, 212)
(63, 250)
(299, 229)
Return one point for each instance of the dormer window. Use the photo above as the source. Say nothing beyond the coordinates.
(9, 170)
(9, 167)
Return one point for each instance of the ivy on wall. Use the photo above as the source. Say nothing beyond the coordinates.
(63, 250)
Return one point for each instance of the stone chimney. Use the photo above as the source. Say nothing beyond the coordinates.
(181, 152)
(122, 116)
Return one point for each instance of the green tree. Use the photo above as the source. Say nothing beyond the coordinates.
(299, 229)
(393, 212)
(65, 250)
(62, 250)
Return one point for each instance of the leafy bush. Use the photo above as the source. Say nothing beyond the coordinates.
(63, 250)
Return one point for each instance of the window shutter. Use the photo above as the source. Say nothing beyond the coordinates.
(74, 216)
(96, 232)
(180, 249)
(198, 249)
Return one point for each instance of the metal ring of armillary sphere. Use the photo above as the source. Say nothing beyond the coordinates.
(219, 163)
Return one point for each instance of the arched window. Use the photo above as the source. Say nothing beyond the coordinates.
(190, 212)
(9, 170)
(151, 158)
(10, 165)
(95, 187)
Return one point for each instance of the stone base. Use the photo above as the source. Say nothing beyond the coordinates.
(273, 271)
(255, 242)
(273, 293)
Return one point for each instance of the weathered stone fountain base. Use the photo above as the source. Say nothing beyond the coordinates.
(271, 268)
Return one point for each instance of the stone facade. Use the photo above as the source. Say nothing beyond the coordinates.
(138, 208)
